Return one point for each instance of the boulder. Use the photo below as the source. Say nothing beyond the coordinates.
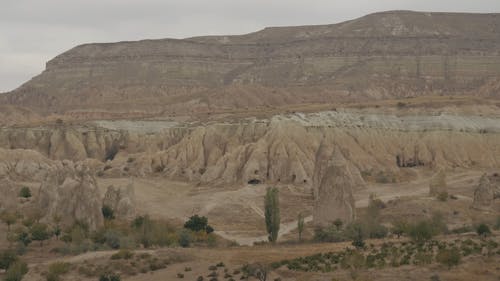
(333, 185)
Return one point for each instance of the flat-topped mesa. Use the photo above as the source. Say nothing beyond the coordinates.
(484, 195)
(334, 192)
(379, 56)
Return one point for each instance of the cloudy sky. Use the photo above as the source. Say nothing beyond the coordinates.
(34, 31)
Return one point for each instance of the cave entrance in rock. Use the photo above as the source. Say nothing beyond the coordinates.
(254, 181)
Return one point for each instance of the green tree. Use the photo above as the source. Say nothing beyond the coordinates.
(40, 232)
(300, 225)
(197, 223)
(338, 224)
(8, 218)
(272, 213)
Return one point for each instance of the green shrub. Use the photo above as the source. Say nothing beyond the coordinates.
(110, 277)
(56, 270)
(107, 212)
(197, 223)
(448, 257)
(185, 239)
(16, 271)
(421, 231)
(40, 232)
(7, 258)
(25, 192)
(483, 230)
(122, 254)
(442, 196)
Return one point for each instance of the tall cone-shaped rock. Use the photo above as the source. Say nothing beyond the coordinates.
(71, 195)
(121, 200)
(333, 191)
(437, 184)
(483, 195)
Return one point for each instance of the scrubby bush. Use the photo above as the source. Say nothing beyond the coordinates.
(448, 257)
(122, 254)
(421, 231)
(107, 212)
(185, 239)
(483, 230)
(7, 258)
(40, 232)
(16, 271)
(56, 270)
(442, 196)
(25, 192)
(197, 223)
(110, 277)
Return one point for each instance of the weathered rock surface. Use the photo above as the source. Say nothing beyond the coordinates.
(437, 185)
(8, 195)
(484, 194)
(121, 200)
(280, 149)
(379, 56)
(334, 187)
(71, 193)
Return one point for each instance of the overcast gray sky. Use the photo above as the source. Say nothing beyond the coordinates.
(34, 31)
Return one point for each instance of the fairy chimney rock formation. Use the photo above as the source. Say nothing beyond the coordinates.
(71, 194)
(333, 192)
(483, 195)
(437, 184)
(121, 200)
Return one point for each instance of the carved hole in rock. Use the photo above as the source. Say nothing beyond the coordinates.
(294, 177)
(401, 162)
(254, 181)
(256, 172)
(305, 181)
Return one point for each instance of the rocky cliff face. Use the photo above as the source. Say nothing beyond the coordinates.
(383, 55)
(281, 149)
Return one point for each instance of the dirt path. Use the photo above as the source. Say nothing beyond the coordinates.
(385, 192)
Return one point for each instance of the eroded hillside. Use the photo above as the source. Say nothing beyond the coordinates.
(376, 57)
(279, 149)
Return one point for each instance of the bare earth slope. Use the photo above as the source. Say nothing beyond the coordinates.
(379, 56)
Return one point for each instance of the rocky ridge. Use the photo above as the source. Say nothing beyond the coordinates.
(380, 56)
(279, 149)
